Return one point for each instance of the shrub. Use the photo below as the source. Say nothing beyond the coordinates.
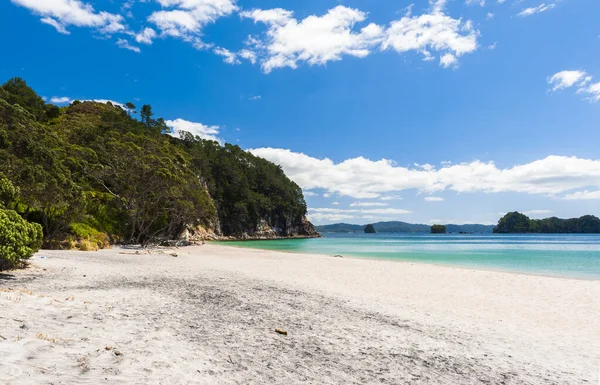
(19, 239)
(86, 238)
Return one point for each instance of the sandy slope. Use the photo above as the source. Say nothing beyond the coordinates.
(208, 317)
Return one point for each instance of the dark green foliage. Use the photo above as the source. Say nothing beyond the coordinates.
(246, 188)
(370, 229)
(18, 92)
(516, 222)
(438, 229)
(90, 170)
(19, 239)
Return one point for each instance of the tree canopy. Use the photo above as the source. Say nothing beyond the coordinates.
(438, 229)
(93, 168)
(516, 222)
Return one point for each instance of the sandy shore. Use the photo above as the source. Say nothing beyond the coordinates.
(208, 316)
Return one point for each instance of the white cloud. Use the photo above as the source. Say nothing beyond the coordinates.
(335, 203)
(104, 101)
(593, 90)
(583, 195)
(433, 31)
(122, 43)
(248, 55)
(566, 79)
(327, 195)
(364, 179)
(60, 99)
(539, 9)
(492, 46)
(146, 36)
(501, 1)
(537, 212)
(194, 128)
(315, 40)
(578, 78)
(368, 204)
(310, 194)
(189, 17)
(489, 16)
(390, 198)
(475, 2)
(448, 60)
(255, 97)
(434, 199)
(228, 56)
(335, 214)
(63, 13)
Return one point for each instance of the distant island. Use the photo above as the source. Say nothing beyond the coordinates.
(402, 227)
(438, 229)
(370, 229)
(517, 223)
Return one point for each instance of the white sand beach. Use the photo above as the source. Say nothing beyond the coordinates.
(208, 316)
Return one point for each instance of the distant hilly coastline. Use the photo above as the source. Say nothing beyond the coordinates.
(511, 223)
(402, 227)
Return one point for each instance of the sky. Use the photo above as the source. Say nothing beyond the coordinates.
(454, 111)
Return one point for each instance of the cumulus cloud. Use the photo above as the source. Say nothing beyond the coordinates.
(434, 199)
(448, 60)
(434, 31)
(63, 13)
(335, 214)
(364, 178)
(197, 129)
(566, 79)
(184, 19)
(60, 99)
(228, 56)
(481, 3)
(315, 40)
(539, 9)
(122, 43)
(576, 78)
(583, 195)
(146, 36)
(368, 204)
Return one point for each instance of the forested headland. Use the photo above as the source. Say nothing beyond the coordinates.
(91, 174)
(516, 222)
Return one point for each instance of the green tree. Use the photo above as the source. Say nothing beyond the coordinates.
(130, 107)
(438, 229)
(19, 239)
(370, 229)
(146, 115)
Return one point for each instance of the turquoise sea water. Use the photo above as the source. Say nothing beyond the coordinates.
(564, 255)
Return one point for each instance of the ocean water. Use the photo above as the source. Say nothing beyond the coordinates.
(563, 255)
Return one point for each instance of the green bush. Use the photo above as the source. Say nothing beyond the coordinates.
(86, 238)
(19, 239)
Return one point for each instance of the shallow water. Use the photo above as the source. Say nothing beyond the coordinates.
(564, 255)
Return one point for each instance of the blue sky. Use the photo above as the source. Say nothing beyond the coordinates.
(449, 111)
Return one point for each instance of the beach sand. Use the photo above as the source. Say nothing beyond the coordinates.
(208, 316)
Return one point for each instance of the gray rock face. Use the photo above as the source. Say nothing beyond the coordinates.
(303, 229)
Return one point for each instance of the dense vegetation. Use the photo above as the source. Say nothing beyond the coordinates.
(516, 222)
(19, 239)
(91, 174)
(438, 229)
(370, 229)
(402, 227)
